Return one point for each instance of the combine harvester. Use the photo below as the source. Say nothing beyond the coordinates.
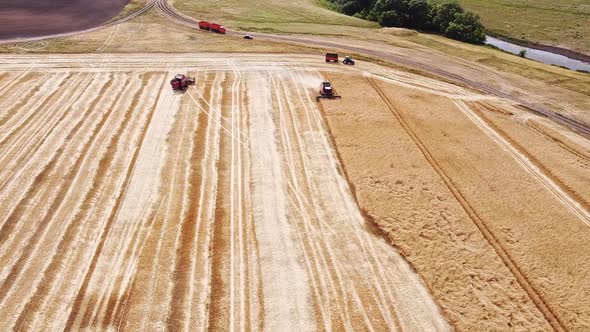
(204, 25)
(181, 82)
(327, 92)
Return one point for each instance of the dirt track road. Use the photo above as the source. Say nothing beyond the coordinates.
(127, 206)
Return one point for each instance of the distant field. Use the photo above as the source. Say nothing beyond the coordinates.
(301, 16)
(557, 23)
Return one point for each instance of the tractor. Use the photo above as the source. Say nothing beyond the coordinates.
(348, 61)
(181, 82)
(327, 92)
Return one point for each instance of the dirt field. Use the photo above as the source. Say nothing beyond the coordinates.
(29, 18)
(128, 206)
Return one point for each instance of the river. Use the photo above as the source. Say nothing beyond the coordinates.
(539, 55)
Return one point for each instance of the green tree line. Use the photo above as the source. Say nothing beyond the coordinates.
(447, 17)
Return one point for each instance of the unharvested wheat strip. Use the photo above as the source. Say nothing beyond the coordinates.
(237, 287)
(379, 252)
(232, 260)
(51, 276)
(236, 118)
(178, 248)
(255, 307)
(221, 307)
(137, 196)
(193, 170)
(165, 275)
(96, 235)
(282, 276)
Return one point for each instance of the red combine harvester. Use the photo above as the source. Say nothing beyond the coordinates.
(181, 82)
(204, 25)
(331, 57)
(327, 92)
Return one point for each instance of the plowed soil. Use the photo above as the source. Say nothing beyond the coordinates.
(31, 18)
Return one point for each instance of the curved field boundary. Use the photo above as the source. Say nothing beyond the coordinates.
(149, 4)
(523, 281)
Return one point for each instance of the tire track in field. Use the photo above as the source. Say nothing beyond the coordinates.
(318, 261)
(574, 196)
(111, 219)
(532, 166)
(539, 302)
(207, 204)
(148, 302)
(235, 302)
(195, 220)
(564, 145)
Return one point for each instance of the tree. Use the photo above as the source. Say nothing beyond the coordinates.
(391, 18)
(419, 14)
(466, 27)
(350, 8)
(522, 53)
(444, 13)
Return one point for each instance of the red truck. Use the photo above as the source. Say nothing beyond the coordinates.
(204, 25)
(331, 57)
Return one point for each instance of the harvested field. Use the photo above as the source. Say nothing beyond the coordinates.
(125, 205)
